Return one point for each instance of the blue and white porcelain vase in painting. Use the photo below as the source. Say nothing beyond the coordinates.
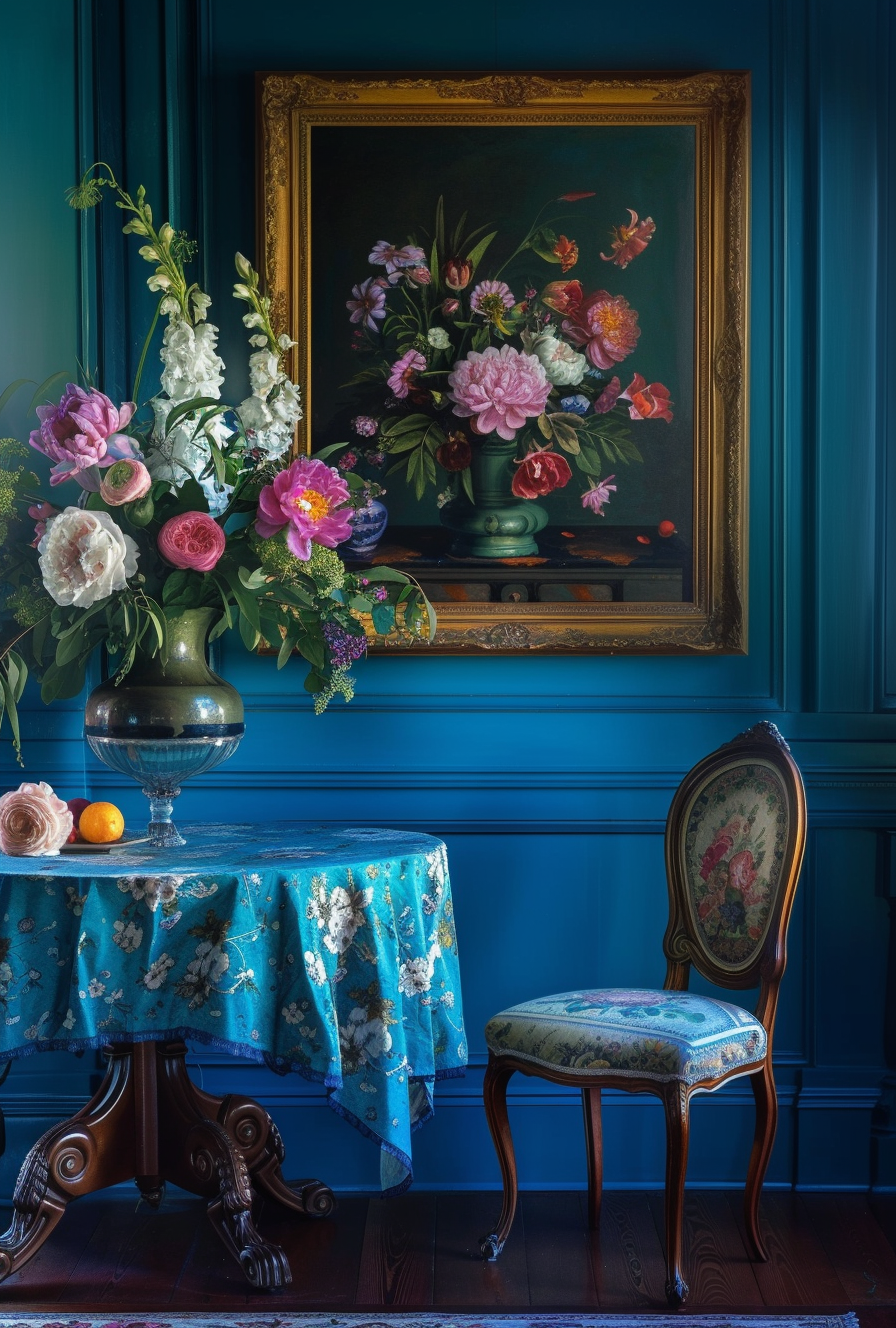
(368, 526)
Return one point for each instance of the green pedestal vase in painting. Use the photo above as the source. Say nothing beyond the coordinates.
(164, 722)
(495, 524)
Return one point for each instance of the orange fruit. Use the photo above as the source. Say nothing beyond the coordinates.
(101, 823)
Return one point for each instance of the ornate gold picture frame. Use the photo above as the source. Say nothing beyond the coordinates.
(392, 217)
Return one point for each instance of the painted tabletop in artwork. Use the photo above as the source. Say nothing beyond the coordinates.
(329, 952)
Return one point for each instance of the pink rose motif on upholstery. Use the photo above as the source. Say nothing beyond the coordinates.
(741, 871)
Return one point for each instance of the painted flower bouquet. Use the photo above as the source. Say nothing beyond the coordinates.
(452, 358)
(183, 503)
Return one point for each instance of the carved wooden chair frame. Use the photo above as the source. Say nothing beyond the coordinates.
(682, 947)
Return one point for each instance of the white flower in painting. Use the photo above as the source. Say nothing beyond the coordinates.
(193, 367)
(157, 972)
(314, 966)
(264, 369)
(127, 936)
(438, 338)
(362, 1040)
(84, 557)
(564, 366)
(415, 975)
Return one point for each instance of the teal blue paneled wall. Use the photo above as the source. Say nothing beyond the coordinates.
(550, 778)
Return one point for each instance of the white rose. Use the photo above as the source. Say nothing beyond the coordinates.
(192, 365)
(84, 557)
(564, 366)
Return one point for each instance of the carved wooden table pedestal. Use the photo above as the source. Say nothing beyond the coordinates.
(148, 1121)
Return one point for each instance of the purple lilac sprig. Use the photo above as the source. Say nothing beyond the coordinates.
(343, 647)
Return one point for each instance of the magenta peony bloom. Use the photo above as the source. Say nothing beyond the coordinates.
(192, 541)
(647, 402)
(540, 473)
(369, 303)
(309, 497)
(83, 431)
(606, 326)
(125, 482)
(33, 821)
(630, 240)
(598, 494)
(500, 389)
(404, 370)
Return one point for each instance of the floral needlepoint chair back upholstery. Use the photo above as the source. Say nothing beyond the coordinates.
(735, 838)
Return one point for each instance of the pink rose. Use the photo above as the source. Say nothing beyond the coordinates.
(125, 482)
(192, 541)
(33, 821)
(742, 871)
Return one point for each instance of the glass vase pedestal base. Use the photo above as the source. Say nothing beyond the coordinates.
(160, 765)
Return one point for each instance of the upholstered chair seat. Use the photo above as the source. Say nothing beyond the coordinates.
(661, 1035)
(735, 837)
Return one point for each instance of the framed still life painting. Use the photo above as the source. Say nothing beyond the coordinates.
(520, 303)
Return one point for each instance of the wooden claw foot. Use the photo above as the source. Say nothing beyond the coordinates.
(264, 1264)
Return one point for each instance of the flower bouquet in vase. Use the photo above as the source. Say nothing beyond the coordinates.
(496, 393)
(168, 523)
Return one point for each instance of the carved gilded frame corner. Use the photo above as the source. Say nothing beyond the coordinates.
(716, 106)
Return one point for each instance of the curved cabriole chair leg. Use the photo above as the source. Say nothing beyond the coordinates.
(497, 1076)
(675, 1101)
(763, 1085)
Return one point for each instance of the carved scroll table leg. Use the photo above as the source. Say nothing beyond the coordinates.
(88, 1152)
(258, 1139)
(199, 1155)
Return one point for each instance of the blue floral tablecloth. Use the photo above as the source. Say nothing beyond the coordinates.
(328, 952)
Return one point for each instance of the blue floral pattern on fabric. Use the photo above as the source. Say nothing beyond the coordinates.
(329, 952)
(662, 1035)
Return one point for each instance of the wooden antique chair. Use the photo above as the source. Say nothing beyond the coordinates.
(734, 846)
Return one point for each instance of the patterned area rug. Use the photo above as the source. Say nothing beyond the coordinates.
(387, 1320)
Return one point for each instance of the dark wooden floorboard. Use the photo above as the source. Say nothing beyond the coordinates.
(798, 1272)
(134, 1254)
(462, 1278)
(47, 1275)
(860, 1253)
(716, 1265)
(626, 1254)
(557, 1253)
(398, 1254)
(883, 1206)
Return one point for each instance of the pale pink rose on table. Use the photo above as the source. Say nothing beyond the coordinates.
(309, 497)
(33, 821)
(500, 389)
(81, 432)
(192, 541)
(125, 482)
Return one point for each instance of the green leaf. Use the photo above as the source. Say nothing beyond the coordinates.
(543, 242)
(439, 241)
(8, 393)
(434, 269)
(589, 461)
(406, 443)
(248, 604)
(458, 235)
(43, 392)
(383, 616)
(329, 451)
(544, 424)
(287, 647)
(403, 424)
(187, 408)
(476, 254)
(466, 480)
(314, 682)
(481, 338)
(252, 580)
(566, 437)
(251, 635)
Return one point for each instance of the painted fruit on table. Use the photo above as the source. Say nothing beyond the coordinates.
(76, 807)
(101, 823)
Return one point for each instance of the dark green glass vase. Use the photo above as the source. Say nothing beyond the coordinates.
(495, 524)
(163, 723)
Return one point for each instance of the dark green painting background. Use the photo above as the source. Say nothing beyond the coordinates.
(382, 183)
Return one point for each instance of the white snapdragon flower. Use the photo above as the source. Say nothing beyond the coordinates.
(564, 366)
(84, 557)
(264, 370)
(192, 366)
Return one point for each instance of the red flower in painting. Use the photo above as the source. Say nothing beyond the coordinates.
(568, 253)
(575, 196)
(563, 296)
(630, 240)
(606, 326)
(647, 402)
(540, 473)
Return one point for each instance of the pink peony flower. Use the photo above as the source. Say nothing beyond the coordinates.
(192, 541)
(33, 821)
(309, 497)
(40, 514)
(598, 494)
(82, 431)
(607, 399)
(540, 473)
(125, 482)
(606, 326)
(500, 389)
(404, 370)
(369, 303)
(648, 403)
(630, 240)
